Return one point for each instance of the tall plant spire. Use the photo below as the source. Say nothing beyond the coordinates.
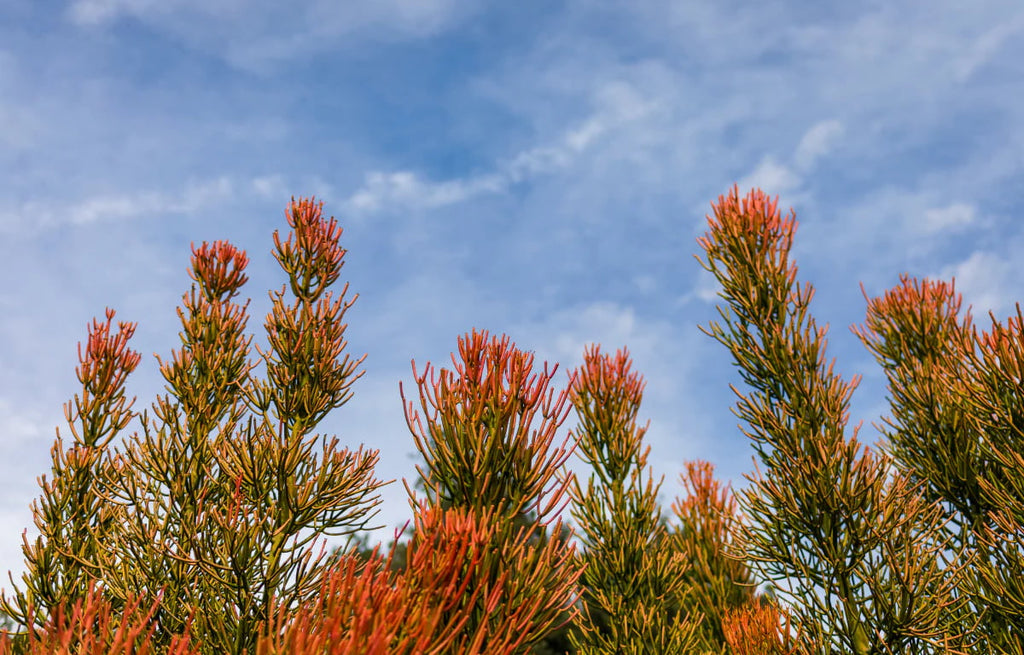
(218, 501)
(631, 572)
(861, 546)
(71, 518)
(486, 433)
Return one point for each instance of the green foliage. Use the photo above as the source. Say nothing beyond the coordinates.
(630, 573)
(855, 535)
(210, 505)
(956, 431)
(718, 579)
(486, 436)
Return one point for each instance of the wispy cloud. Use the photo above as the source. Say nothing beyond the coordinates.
(953, 217)
(194, 197)
(771, 176)
(36, 214)
(816, 143)
(415, 16)
(406, 190)
(787, 179)
(252, 34)
(618, 104)
(670, 363)
(989, 282)
(986, 47)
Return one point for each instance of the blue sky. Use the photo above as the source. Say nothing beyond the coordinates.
(540, 169)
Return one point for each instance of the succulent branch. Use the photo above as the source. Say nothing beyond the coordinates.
(863, 547)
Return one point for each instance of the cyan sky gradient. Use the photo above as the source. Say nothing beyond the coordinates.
(540, 169)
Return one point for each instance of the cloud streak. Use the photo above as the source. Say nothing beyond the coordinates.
(619, 105)
(195, 197)
(256, 34)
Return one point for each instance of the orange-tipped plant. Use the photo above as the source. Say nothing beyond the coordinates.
(365, 608)
(632, 574)
(860, 544)
(718, 580)
(92, 628)
(212, 506)
(208, 517)
(957, 429)
(487, 442)
(72, 519)
(760, 628)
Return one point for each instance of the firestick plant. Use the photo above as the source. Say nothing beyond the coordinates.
(203, 514)
(198, 536)
(209, 505)
(876, 566)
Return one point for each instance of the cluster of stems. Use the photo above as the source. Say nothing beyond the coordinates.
(956, 429)
(198, 536)
(214, 504)
(631, 572)
(487, 434)
(860, 542)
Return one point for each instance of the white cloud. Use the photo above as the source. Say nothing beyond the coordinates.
(406, 190)
(537, 161)
(952, 217)
(113, 208)
(93, 12)
(192, 198)
(601, 322)
(985, 47)
(665, 356)
(771, 177)
(413, 17)
(706, 288)
(655, 345)
(987, 281)
(817, 142)
(21, 424)
(252, 33)
(417, 16)
(645, 284)
(618, 105)
(776, 178)
(578, 140)
(36, 214)
(905, 228)
(270, 187)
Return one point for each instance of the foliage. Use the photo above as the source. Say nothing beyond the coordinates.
(427, 608)
(629, 571)
(758, 629)
(209, 505)
(718, 580)
(198, 538)
(956, 430)
(362, 609)
(487, 444)
(70, 536)
(855, 535)
(554, 642)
